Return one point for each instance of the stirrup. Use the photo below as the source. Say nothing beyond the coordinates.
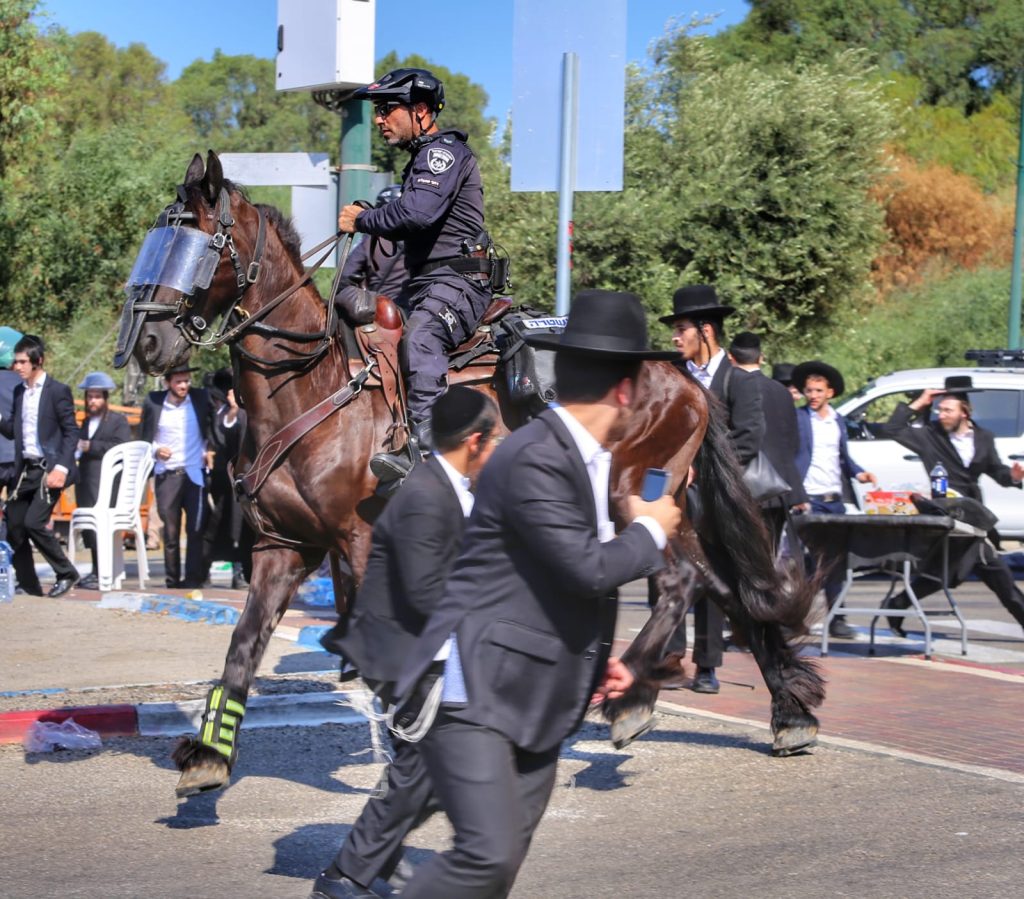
(387, 467)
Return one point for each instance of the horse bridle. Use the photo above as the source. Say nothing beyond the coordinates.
(194, 327)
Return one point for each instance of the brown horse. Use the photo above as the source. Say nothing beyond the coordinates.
(316, 496)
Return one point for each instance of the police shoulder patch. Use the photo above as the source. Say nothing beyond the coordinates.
(440, 160)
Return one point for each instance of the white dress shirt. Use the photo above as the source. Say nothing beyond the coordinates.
(964, 446)
(825, 473)
(30, 448)
(178, 430)
(705, 373)
(599, 465)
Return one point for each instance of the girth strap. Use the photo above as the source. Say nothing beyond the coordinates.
(278, 445)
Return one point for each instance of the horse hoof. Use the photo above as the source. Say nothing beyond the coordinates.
(630, 726)
(202, 778)
(791, 740)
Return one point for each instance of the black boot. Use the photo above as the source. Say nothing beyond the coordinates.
(238, 578)
(394, 467)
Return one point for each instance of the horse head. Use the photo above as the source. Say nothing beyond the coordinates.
(198, 260)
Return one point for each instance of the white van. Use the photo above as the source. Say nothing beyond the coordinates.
(998, 405)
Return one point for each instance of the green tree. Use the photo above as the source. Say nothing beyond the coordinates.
(930, 324)
(109, 87)
(962, 51)
(234, 107)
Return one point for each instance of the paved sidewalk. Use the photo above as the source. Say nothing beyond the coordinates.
(157, 665)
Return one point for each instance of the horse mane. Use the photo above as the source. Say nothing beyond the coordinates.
(285, 230)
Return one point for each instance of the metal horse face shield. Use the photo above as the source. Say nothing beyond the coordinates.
(178, 257)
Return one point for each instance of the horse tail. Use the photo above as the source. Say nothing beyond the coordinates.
(732, 519)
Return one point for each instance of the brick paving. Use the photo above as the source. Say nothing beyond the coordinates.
(955, 712)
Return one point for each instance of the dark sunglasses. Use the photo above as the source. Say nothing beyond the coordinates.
(384, 109)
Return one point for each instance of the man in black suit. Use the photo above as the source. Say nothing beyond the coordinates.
(45, 434)
(415, 542)
(781, 438)
(526, 621)
(698, 331)
(102, 430)
(8, 381)
(177, 422)
(967, 451)
(824, 463)
(226, 534)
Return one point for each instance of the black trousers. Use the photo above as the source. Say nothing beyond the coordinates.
(994, 573)
(374, 845)
(28, 516)
(494, 794)
(176, 494)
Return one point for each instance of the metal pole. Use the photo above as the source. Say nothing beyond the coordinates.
(355, 168)
(566, 181)
(1013, 339)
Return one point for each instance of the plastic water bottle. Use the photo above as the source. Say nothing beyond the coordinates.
(6, 572)
(940, 481)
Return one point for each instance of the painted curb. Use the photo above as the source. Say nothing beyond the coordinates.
(174, 606)
(106, 720)
(168, 719)
(310, 636)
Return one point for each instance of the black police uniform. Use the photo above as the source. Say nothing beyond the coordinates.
(374, 267)
(439, 215)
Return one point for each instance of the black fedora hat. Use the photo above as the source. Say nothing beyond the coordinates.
(958, 385)
(180, 369)
(605, 323)
(697, 301)
(816, 367)
(783, 372)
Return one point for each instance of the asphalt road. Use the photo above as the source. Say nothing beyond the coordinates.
(696, 809)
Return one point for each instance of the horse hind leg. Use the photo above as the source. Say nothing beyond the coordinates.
(206, 760)
(653, 656)
(796, 686)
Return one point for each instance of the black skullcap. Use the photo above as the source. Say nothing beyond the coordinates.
(455, 411)
(746, 340)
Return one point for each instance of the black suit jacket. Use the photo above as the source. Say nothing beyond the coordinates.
(58, 430)
(933, 445)
(742, 403)
(781, 441)
(533, 595)
(415, 543)
(224, 441)
(113, 429)
(154, 403)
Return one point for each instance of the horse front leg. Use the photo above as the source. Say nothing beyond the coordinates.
(206, 760)
(655, 653)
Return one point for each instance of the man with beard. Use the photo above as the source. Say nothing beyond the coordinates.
(102, 430)
(967, 451)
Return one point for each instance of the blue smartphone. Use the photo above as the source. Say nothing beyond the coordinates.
(655, 484)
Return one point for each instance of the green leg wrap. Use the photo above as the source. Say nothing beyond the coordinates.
(221, 721)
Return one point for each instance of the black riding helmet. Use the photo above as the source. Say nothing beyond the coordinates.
(405, 86)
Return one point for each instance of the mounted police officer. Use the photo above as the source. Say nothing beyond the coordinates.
(440, 217)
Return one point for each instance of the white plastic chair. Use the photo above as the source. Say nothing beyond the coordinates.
(134, 462)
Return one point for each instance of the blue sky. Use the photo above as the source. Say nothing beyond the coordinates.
(477, 40)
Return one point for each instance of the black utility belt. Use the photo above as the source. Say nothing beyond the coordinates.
(827, 497)
(35, 463)
(171, 472)
(464, 265)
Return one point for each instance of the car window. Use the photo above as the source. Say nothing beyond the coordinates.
(862, 423)
(998, 411)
